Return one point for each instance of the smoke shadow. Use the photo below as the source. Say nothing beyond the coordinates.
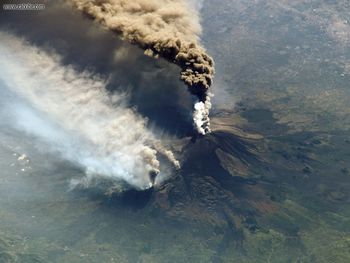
(202, 159)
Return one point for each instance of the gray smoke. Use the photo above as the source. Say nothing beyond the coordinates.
(75, 117)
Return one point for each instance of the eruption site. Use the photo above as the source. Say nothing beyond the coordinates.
(166, 28)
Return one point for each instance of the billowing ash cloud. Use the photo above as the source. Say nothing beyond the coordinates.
(166, 28)
(74, 116)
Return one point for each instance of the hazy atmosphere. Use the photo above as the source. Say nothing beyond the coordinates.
(174, 131)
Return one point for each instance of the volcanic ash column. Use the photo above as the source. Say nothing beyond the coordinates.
(166, 28)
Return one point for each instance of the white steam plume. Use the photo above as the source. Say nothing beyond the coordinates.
(201, 116)
(72, 113)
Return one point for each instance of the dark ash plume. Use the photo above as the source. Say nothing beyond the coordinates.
(163, 28)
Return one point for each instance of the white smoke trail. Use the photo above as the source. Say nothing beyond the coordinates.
(73, 114)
